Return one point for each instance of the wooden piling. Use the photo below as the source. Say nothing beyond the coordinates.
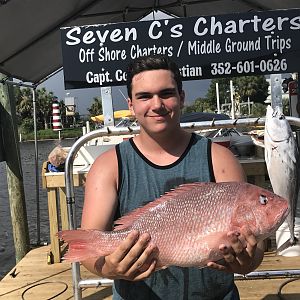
(11, 151)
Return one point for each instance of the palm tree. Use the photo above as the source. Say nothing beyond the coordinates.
(44, 106)
(254, 88)
(96, 107)
(24, 104)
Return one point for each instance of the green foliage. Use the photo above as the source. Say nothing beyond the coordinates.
(24, 106)
(96, 107)
(200, 105)
(286, 106)
(259, 110)
(50, 134)
(254, 87)
(24, 103)
(44, 106)
(27, 126)
(224, 90)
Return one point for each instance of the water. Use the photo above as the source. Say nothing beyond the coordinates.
(7, 251)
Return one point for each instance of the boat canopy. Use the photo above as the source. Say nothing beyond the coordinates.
(117, 115)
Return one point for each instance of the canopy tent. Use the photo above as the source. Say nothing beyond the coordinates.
(117, 115)
(30, 36)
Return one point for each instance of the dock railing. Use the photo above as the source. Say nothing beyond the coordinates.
(79, 283)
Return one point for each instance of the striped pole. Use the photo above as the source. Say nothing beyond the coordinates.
(56, 120)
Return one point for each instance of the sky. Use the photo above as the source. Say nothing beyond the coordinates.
(84, 97)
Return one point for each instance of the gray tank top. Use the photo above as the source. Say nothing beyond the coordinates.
(140, 182)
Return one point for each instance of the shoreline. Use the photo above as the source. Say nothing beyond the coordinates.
(49, 139)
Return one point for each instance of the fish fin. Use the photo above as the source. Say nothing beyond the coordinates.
(74, 235)
(128, 219)
(81, 251)
(289, 243)
(81, 244)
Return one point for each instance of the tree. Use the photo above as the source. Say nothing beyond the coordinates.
(96, 107)
(224, 91)
(200, 105)
(259, 110)
(253, 87)
(24, 105)
(44, 106)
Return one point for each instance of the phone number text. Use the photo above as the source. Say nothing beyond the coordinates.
(248, 67)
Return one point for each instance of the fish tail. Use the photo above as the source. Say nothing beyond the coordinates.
(82, 244)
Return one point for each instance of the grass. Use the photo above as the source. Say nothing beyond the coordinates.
(50, 134)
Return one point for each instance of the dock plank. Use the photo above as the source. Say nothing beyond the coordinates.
(45, 281)
(38, 280)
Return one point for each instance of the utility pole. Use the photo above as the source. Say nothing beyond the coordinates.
(11, 154)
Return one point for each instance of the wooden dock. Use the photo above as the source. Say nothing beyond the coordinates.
(37, 280)
(34, 279)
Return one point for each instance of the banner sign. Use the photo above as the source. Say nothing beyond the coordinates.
(203, 47)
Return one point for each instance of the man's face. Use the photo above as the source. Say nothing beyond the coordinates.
(156, 102)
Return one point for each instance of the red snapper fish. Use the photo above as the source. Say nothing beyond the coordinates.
(188, 223)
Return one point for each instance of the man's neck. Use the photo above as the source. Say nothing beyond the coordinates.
(163, 149)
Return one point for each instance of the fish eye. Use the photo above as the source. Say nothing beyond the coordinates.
(263, 199)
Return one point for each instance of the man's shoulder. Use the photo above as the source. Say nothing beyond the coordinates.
(106, 160)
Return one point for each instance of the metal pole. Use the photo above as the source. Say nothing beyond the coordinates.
(37, 192)
(249, 109)
(276, 90)
(107, 106)
(72, 213)
(268, 274)
(218, 97)
(232, 100)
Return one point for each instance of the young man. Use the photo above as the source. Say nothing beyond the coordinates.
(138, 171)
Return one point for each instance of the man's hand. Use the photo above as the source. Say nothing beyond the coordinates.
(134, 259)
(243, 256)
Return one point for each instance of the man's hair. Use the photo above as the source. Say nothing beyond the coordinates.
(147, 63)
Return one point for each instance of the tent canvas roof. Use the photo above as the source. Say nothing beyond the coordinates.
(30, 35)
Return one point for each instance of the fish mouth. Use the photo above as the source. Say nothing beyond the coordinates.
(276, 140)
(277, 113)
(281, 218)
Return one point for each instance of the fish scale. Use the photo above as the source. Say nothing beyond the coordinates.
(188, 224)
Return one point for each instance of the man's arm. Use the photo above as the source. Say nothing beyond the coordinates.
(239, 259)
(133, 259)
